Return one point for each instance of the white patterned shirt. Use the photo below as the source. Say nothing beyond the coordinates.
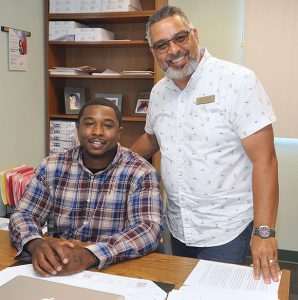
(205, 169)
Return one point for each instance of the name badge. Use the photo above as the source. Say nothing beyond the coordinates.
(206, 99)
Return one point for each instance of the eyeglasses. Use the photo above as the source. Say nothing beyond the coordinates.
(179, 39)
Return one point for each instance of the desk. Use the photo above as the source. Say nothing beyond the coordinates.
(154, 266)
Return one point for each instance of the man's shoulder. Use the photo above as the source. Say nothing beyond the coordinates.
(132, 159)
(230, 69)
(61, 158)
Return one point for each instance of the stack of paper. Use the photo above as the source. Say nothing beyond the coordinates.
(130, 288)
(137, 73)
(213, 280)
(106, 72)
(83, 70)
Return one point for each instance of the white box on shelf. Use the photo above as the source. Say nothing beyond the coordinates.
(63, 144)
(92, 6)
(59, 124)
(64, 9)
(54, 25)
(62, 37)
(120, 5)
(63, 30)
(93, 34)
(63, 137)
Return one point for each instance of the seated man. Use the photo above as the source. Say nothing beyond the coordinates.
(98, 192)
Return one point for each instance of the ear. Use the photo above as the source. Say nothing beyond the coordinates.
(196, 34)
(119, 132)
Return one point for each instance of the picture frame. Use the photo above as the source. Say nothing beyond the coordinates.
(141, 106)
(74, 99)
(116, 98)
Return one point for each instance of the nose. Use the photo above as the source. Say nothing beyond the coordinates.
(173, 48)
(97, 129)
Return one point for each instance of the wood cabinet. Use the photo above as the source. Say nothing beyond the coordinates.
(131, 53)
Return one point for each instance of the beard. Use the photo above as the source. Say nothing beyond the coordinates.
(185, 70)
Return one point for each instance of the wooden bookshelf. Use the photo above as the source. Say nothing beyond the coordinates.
(131, 52)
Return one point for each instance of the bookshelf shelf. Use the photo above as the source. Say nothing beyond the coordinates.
(129, 51)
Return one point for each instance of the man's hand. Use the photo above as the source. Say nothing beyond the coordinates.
(54, 257)
(265, 258)
(48, 256)
(79, 259)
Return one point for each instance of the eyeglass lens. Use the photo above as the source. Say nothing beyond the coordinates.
(179, 39)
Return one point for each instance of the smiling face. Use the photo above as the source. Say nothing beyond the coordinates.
(98, 132)
(179, 62)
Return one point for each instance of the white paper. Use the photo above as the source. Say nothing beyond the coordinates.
(130, 288)
(4, 224)
(212, 280)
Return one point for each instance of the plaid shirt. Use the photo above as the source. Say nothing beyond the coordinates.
(118, 211)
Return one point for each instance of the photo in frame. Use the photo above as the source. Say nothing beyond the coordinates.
(74, 99)
(116, 98)
(142, 106)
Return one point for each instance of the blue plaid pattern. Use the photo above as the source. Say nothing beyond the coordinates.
(118, 211)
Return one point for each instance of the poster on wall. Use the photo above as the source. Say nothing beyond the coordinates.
(17, 50)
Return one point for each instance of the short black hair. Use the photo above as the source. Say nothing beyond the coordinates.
(165, 12)
(103, 102)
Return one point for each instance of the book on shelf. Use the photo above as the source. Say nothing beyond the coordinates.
(83, 70)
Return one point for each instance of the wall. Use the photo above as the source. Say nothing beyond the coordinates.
(220, 25)
(287, 221)
(22, 103)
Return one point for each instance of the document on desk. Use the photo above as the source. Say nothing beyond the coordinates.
(130, 288)
(212, 280)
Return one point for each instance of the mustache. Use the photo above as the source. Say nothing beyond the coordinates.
(179, 54)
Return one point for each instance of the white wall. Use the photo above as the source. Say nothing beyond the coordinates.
(22, 100)
(220, 25)
(287, 221)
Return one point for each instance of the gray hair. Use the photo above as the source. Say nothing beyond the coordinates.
(165, 12)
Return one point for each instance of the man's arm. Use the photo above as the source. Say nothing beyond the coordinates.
(260, 149)
(143, 228)
(58, 257)
(146, 145)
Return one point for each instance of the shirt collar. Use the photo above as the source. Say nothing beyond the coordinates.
(206, 55)
(79, 156)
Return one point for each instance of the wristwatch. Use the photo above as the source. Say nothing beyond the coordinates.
(264, 232)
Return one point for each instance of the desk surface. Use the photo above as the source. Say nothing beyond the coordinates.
(154, 266)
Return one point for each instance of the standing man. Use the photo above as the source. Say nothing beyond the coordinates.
(211, 120)
(99, 193)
